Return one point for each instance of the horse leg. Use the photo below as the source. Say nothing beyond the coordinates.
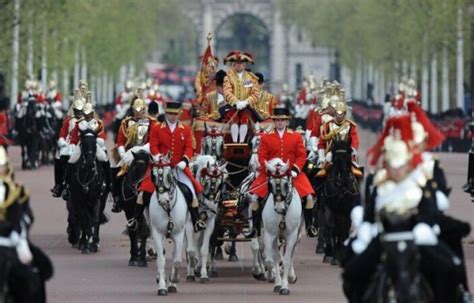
(160, 262)
(190, 252)
(205, 249)
(291, 240)
(132, 235)
(174, 276)
(257, 273)
(143, 235)
(272, 268)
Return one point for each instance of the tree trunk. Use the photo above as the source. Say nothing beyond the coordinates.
(460, 62)
(77, 64)
(84, 64)
(44, 59)
(445, 80)
(434, 85)
(425, 82)
(30, 48)
(15, 52)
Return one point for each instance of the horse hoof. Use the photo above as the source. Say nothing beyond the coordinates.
(259, 277)
(276, 289)
(142, 263)
(172, 289)
(292, 280)
(162, 292)
(93, 248)
(213, 274)
(85, 251)
(284, 292)
(133, 263)
(197, 272)
(327, 259)
(174, 280)
(204, 281)
(219, 255)
(233, 258)
(334, 262)
(190, 279)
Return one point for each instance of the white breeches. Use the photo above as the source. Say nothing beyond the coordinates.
(181, 176)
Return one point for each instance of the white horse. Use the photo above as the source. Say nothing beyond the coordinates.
(168, 214)
(281, 216)
(213, 142)
(212, 177)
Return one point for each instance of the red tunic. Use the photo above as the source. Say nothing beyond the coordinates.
(65, 128)
(316, 124)
(289, 148)
(178, 143)
(75, 132)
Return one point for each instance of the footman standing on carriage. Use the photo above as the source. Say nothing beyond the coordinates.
(173, 138)
(241, 92)
(266, 101)
(133, 135)
(287, 145)
(64, 140)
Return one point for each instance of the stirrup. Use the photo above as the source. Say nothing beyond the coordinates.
(312, 232)
(199, 225)
(132, 224)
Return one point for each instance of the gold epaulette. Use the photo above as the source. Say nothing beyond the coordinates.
(151, 118)
(351, 122)
(14, 194)
(253, 76)
(289, 130)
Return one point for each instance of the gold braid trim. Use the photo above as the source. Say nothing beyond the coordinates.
(14, 194)
(334, 132)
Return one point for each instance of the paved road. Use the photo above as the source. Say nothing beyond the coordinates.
(105, 277)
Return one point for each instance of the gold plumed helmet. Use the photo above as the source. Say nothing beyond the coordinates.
(83, 84)
(88, 109)
(78, 104)
(333, 101)
(138, 105)
(3, 156)
(340, 107)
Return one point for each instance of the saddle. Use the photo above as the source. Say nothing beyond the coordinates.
(187, 193)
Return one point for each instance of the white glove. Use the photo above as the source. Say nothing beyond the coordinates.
(62, 142)
(242, 104)
(181, 165)
(357, 215)
(294, 174)
(329, 157)
(424, 235)
(364, 232)
(101, 143)
(72, 149)
(320, 157)
(313, 143)
(121, 151)
(311, 156)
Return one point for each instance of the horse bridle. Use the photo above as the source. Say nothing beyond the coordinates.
(277, 195)
(213, 193)
(133, 185)
(213, 136)
(85, 185)
(161, 189)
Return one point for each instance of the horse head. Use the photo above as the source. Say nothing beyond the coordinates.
(138, 167)
(212, 178)
(342, 160)
(163, 177)
(88, 148)
(280, 182)
(214, 141)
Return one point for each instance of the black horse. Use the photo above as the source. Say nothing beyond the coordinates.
(398, 277)
(28, 135)
(88, 194)
(128, 197)
(339, 193)
(49, 126)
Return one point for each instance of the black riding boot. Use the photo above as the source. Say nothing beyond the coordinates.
(116, 184)
(198, 223)
(59, 169)
(256, 222)
(132, 224)
(308, 221)
(67, 181)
